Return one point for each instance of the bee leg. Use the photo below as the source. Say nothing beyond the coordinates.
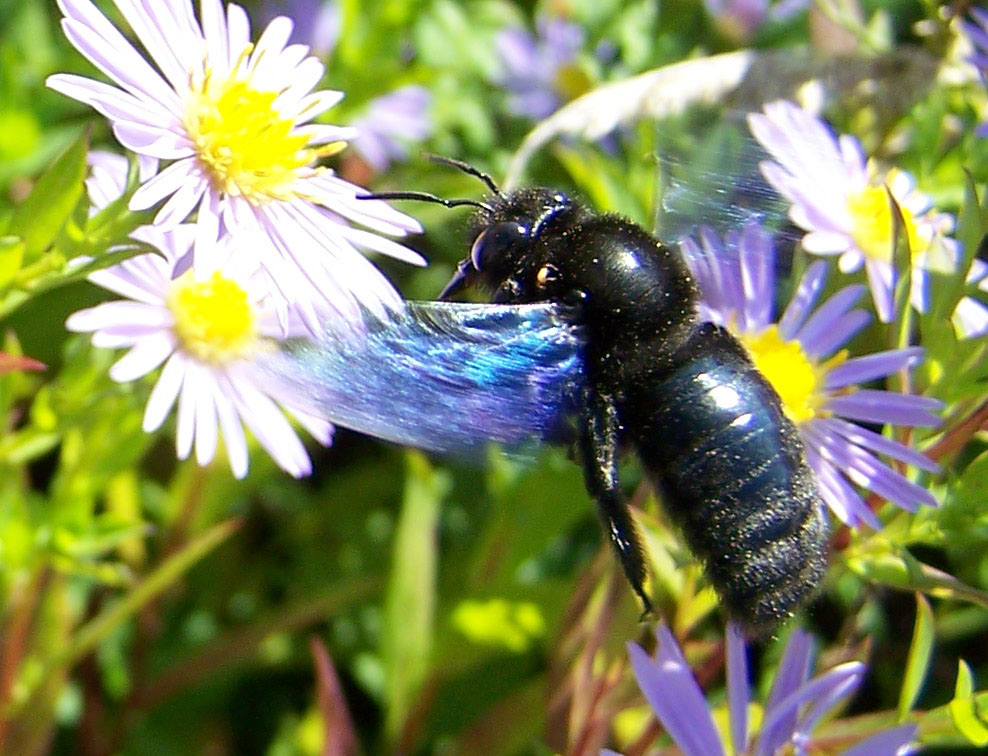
(598, 446)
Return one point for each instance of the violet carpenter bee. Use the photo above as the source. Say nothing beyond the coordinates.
(592, 338)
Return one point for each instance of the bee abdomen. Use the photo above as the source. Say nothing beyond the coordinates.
(731, 470)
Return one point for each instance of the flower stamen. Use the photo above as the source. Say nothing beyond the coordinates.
(213, 318)
(247, 148)
(871, 214)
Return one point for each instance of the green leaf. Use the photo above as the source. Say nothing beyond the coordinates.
(78, 273)
(899, 569)
(410, 600)
(27, 444)
(40, 218)
(918, 661)
(11, 257)
(902, 257)
(98, 628)
(966, 715)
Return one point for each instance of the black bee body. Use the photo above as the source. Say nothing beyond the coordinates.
(709, 430)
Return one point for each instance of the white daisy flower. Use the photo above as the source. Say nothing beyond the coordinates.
(206, 334)
(234, 120)
(842, 201)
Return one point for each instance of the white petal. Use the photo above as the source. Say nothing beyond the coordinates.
(144, 357)
(238, 33)
(144, 278)
(134, 314)
(163, 185)
(164, 393)
(313, 104)
(272, 430)
(186, 424)
(113, 102)
(206, 430)
(826, 243)
(119, 337)
(214, 32)
(851, 261)
(881, 282)
(155, 141)
(96, 38)
(164, 37)
(180, 205)
(970, 318)
(233, 431)
(274, 38)
(383, 245)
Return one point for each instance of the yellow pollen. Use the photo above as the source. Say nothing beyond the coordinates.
(796, 377)
(871, 213)
(246, 147)
(213, 319)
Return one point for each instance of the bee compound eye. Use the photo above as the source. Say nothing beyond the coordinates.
(495, 240)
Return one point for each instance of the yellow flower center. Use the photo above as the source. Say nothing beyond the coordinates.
(797, 378)
(871, 213)
(246, 147)
(571, 82)
(213, 319)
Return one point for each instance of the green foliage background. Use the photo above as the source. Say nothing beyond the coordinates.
(152, 607)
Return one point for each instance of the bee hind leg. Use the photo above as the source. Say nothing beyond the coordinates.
(598, 449)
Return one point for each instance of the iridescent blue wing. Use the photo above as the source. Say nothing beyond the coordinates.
(708, 159)
(444, 376)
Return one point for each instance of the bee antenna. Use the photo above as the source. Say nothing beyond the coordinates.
(425, 197)
(466, 168)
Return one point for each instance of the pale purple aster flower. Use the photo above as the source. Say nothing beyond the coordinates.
(235, 121)
(317, 22)
(842, 201)
(739, 19)
(535, 66)
(206, 334)
(801, 354)
(392, 122)
(795, 705)
(977, 33)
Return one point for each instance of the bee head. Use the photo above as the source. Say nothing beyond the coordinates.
(508, 252)
(507, 255)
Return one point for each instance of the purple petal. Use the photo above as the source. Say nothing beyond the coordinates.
(756, 250)
(793, 671)
(737, 687)
(867, 471)
(839, 495)
(780, 720)
(876, 406)
(872, 367)
(888, 743)
(846, 327)
(877, 443)
(828, 700)
(824, 320)
(806, 294)
(675, 697)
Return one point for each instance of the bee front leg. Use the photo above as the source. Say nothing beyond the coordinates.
(598, 446)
